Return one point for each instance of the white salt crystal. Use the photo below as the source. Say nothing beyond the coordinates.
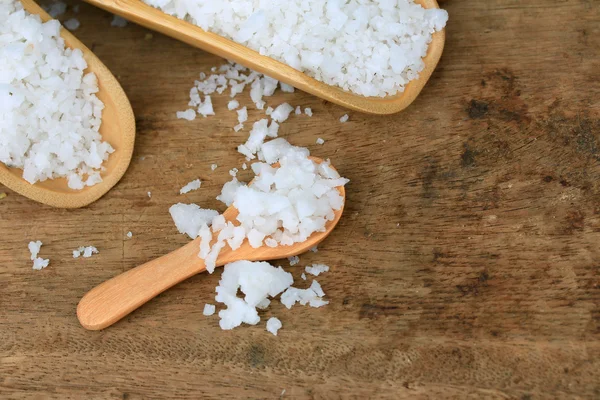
(232, 105)
(344, 118)
(34, 248)
(303, 276)
(316, 269)
(85, 251)
(269, 111)
(320, 141)
(286, 88)
(213, 166)
(244, 166)
(40, 263)
(273, 325)
(209, 309)
(242, 115)
(72, 24)
(298, 110)
(316, 287)
(188, 114)
(149, 194)
(308, 111)
(206, 108)
(294, 260)
(189, 218)
(129, 235)
(193, 185)
(238, 127)
(282, 112)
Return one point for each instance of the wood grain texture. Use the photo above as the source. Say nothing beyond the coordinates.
(118, 128)
(466, 264)
(150, 17)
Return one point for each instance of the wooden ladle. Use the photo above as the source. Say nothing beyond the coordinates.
(152, 18)
(112, 300)
(118, 128)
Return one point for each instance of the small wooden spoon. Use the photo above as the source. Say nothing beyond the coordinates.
(152, 18)
(112, 300)
(118, 128)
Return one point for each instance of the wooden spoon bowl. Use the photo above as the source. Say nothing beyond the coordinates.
(152, 18)
(118, 128)
(112, 300)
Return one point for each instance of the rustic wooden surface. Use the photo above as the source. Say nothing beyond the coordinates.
(466, 264)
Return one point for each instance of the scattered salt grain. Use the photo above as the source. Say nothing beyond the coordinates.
(294, 260)
(213, 167)
(269, 111)
(303, 296)
(282, 112)
(238, 127)
(242, 115)
(233, 104)
(298, 110)
(320, 141)
(72, 24)
(206, 108)
(209, 309)
(48, 106)
(193, 185)
(149, 194)
(303, 276)
(316, 287)
(273, 325)
(308, 111)
(314, 249)
(85, 251)
(40, 263)
(257, 281)
(118, 22)
(316, 269)
(189, 218)
(129, 235)
(286, 88)
(34, 249)
(344, 118)
(188, 114)
(244, 166)
(56, 9)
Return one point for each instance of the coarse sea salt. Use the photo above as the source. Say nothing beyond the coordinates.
(193, 185)
(371, 48)
(316, 269)
(34, 249)
(209, 309)
(49, 112)
(286, 204)
(273, 325)
(189, 218)
(85, 251)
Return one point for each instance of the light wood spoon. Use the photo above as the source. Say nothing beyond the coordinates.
(110, 301)
(118, 128)
(152, 18)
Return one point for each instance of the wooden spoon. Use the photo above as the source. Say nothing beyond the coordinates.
(112, 300)
(118, 128)
(152, 18)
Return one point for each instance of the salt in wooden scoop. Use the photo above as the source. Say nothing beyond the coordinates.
(118, 128)
(112, 300)
(152, 18)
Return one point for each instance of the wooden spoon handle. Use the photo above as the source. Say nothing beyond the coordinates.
(112, 300)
